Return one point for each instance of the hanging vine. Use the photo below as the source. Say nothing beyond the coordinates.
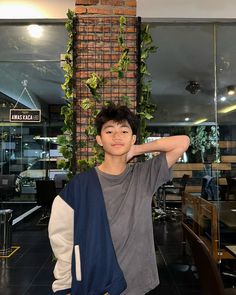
(146, 109)
(65, 141)
(122, 65)
(94, 83)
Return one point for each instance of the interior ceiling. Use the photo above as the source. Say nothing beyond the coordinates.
(35, 60)
(185, 53)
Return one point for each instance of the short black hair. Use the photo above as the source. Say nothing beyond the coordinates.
(116, 113)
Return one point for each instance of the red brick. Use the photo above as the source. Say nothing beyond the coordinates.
(80, 10)
(130, 3)
(124, 11)
(101, 11)
(113, 2)
(86, 2)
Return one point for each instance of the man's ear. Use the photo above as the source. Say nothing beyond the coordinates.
(134, 139)
(99, 140)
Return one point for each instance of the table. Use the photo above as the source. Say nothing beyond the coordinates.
(231, 249)
(227, 213)
(227, 225)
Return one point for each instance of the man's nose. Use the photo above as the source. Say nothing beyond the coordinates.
(117, 135)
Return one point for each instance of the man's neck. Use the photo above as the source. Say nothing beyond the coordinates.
(114, 165)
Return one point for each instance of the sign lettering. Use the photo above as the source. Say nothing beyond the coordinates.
(25, 115)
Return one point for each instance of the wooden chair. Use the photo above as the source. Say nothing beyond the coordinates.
(190, 209)
(201, 216)
(208, 227)
(178, 187)
(209, 276)
(173, 194)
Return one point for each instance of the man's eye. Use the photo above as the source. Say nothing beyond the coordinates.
(125, 131)
(108, 132)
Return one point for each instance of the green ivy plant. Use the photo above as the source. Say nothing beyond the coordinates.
(204, 138)
(89, 105)
(94, 84)
(122, 65)
(65, 141)
(146, 108)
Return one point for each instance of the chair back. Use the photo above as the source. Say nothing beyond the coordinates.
(209, 188)
(45, 192)
(184, 181)
(209, 276)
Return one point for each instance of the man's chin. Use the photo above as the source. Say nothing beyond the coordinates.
(117, 153)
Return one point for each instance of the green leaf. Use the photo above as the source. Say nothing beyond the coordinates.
(120, 74)
(86, 104)
(91, 131)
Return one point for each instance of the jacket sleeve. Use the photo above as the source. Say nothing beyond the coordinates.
(61, 228)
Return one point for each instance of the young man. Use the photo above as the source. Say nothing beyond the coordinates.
(101, 224)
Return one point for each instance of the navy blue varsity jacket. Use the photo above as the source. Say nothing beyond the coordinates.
(81, 240)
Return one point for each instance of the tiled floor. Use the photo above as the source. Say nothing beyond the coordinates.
(175, 270)
(29, 270)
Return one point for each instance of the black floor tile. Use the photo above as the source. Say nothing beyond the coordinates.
(44, 277)
(189, 290)
(21, 277)
(165, 289)
(29, 259)
(30, 270)
(13, 290)
(39, 290)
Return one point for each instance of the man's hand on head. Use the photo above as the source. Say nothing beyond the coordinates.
(132, 153)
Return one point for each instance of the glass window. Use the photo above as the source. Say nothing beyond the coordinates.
(31, 78)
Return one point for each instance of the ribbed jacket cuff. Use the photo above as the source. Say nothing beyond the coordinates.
(63, 292)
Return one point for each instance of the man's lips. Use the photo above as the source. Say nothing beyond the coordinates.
(117, 144)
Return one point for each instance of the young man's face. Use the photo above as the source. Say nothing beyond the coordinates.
(116, 138)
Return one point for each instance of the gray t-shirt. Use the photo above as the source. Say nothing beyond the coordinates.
(128, 199)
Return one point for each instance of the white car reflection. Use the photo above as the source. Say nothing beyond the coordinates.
(41, 169)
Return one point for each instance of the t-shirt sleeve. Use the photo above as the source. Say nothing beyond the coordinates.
(153, 173)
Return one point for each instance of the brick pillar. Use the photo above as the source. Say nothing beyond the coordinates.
(106, 7)
(96, 50)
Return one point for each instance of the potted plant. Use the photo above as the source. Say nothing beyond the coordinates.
(203, 139)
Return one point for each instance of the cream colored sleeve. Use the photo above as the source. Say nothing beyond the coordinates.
(61, 228)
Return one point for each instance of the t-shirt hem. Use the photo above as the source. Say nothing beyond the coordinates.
(145, 290)
(151, 287)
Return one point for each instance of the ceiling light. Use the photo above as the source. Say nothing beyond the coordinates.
(228, 109)
(223, 98)
(231, 90)
(186, 119)
(35, 31)
(193, 87)
(200, 121)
